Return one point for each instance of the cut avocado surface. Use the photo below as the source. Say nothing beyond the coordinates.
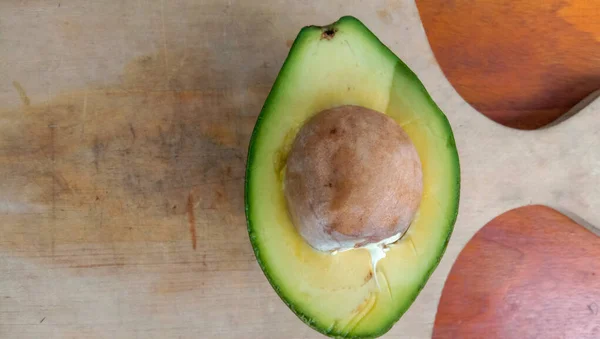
(345, 64)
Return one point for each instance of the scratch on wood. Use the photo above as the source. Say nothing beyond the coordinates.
(191, 219)
(41, 321)
(24, 98)
(62, 183)
(84, 114)
(97, 150)
(115, 264)
(52, 128)
(164, 35)
(132, 130)
(101, 221)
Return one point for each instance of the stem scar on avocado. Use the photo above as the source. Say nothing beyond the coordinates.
(362, 178)
(328, 33)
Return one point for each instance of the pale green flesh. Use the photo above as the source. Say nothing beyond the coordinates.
(333, 293)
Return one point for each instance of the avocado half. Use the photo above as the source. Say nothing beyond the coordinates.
(329, 66)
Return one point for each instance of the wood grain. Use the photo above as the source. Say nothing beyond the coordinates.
(121, 199)
(529, 273)
(521, 63)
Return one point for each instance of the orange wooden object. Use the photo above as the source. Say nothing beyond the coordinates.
(522, 63)
(529, 273)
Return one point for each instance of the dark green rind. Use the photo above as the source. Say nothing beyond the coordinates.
(252, 235)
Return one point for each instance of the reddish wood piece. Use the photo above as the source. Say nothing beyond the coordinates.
(521, 63)
(529, 273)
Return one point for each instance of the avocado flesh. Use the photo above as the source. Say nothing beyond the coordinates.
(345, 64)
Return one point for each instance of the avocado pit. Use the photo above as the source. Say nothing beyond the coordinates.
(353, 178)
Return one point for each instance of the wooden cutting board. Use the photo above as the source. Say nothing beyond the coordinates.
(521, 63)
(529, 273)
(123, 136)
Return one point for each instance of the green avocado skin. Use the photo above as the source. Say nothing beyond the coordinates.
(304, 36)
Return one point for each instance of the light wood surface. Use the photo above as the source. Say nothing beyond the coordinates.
(521, 63)
(123, 136)
(529, 273)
